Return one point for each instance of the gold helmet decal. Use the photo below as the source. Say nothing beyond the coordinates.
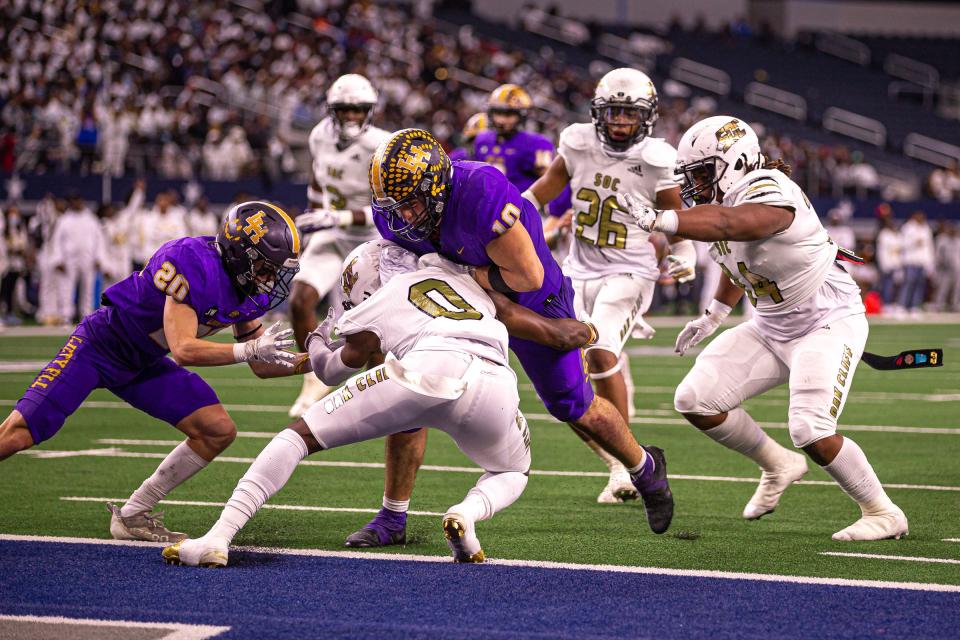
(348, 279)
(728, 134)
(400, 162)
(509, 97)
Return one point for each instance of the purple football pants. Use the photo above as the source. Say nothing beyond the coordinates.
(162, 389)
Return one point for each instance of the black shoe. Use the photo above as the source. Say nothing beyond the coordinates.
(656, 494)
(371, 536)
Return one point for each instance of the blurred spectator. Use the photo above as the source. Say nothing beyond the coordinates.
(75, 250)
(202, 221)
(918, 261)
(15, 248)
(119, 232)
(41, 227)
(944, 184)
(156, 226)
(889, 261)
(947, 245)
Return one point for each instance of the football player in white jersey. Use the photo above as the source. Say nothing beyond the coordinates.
(809, 329)
(613, 265)
(339, 196)
(447, 366)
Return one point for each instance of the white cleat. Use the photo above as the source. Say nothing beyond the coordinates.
(619, 488)
(141, 526)
(201, 552)
(462, 538)
(313, 390)
(876, 526)
(772, 485)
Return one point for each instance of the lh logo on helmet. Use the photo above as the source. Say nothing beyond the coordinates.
(415, 160)
(728, 134)
(255, 228)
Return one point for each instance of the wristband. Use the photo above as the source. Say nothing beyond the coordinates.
(368, 216)
(497, 282)
(346, 218)
(594, 334)
(240, 353)
(245, 335)
(718, 310)
(667, 222)
(532, 199)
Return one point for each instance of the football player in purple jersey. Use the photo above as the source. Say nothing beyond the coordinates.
(476, 124)
(470, 213)
(191, 288)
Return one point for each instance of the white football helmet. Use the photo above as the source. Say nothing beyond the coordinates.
(624, 97)
(714, 154)
(351, 91)
(370, 266)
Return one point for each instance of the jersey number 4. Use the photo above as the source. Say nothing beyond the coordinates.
(756, 286)
(437, 299)
(170, 282)
(610, 233)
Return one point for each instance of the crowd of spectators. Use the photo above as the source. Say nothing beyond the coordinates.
(221, 91)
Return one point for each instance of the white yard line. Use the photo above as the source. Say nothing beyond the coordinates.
(119, 453)
(881, 556)
(281, 507)
(537, 564)
(951, 539)
(178, 630)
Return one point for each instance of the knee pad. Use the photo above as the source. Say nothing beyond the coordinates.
(686, 399)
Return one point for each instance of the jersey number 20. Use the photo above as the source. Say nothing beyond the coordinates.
(437, 299)
(170, 282)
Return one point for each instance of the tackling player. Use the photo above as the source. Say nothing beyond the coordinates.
(809, 330)
(614, 266)
(191, 288)
(469, 213)
(339, 196)
(453, 373)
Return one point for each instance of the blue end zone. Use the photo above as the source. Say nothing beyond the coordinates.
(283, 596)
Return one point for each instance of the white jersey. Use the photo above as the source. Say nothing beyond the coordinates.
(606, 240)
(342, 174)
(792, 277)
(439, 307)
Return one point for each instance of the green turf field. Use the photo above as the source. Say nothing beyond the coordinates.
(557, 518)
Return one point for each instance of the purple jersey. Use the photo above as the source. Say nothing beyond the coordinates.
(482, 204)
(522, 158)
(190, 271)
(460, 153)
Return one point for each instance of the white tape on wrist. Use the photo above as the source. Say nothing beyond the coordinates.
(667, 222)
(528, 195)
(346, 218)
(718, 311)
(368, 215)
(240, 353)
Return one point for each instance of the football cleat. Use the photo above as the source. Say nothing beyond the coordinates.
(876, 526)
(772, 485)
(313, 391)
(141, 526)
(461, 538)
(655, 492)
(197, 553)
(387, 528)
(619, 488)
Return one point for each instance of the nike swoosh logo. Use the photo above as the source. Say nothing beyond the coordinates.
(460, 250)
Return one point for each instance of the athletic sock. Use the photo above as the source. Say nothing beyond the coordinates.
(492, 493)
(178, 467)
(741, 433)
(268, 473)
(398, 506)
(856, 477)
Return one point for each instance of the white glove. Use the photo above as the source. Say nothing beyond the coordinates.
(702, 327)
(268, 348)
(319, 219)
(324, 332)
(647, 218)
(644, 216)
(681, 268)
(642, 330)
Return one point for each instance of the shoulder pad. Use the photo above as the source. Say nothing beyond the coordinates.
(578, 136)
(657, 152)
(372, 137)
(761, 181)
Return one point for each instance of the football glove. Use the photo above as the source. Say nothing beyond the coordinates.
(702, 327)
(320, 219)
(269, 348)
(324, 332)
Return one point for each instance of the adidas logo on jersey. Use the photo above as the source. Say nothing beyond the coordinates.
(355, 157)
(637, 169)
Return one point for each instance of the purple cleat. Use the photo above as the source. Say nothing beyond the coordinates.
(387, 528)
(652, 485)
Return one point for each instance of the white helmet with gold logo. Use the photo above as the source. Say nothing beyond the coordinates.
(714, 154)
